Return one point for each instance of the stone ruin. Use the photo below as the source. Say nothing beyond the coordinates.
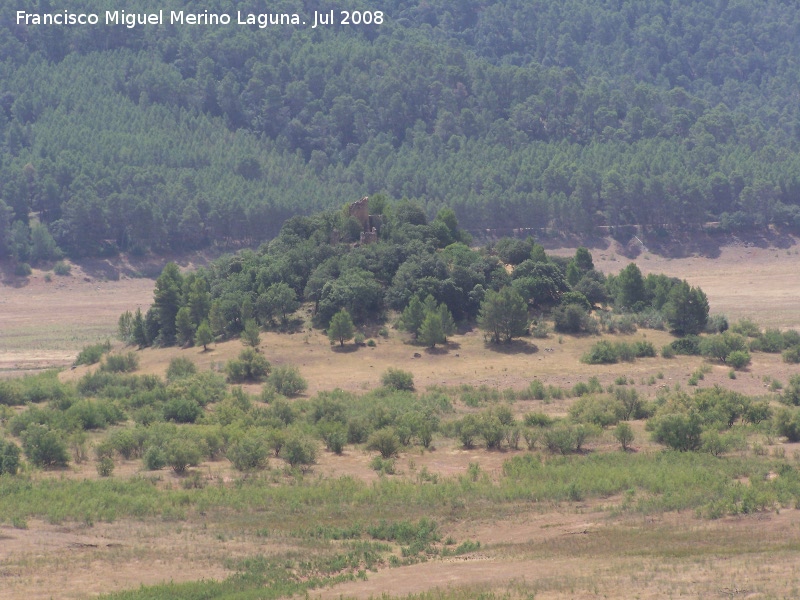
(370, 224)
(360, 211)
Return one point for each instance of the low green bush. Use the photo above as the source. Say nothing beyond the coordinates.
(45, 447)
(599, 410)
(61, 268)
(92, 354)
(287, 381)
(9, 458)
(738, 359)
(384, 441)
(180, 367)
(299, 450)
(791, 355)
(398, 379)
(687, 345)
(601, 353)
(249, 366)
(120, 363)
(250, 452)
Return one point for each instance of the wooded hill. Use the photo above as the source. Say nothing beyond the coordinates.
(513, 113)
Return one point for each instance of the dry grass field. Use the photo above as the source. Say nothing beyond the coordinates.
(577, 549)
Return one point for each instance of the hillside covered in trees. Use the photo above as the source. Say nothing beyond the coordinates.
(516, 113)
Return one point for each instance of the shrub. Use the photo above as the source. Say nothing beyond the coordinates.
(467, 429)
(491, 430)
(182, 410)
(560, 439)
(792, 355)
(22, 269)
(9, 458)
(787, 423)
(714, 443)
(334, 435)
(62, 268)
(600, 410)
(632, 406)
(384, 441)
(624, 351)
(644, 349)
(770, 341)
(537, 390)
(650, 318)
(540, 330)
(746, 327)
(126, 442)
(791, 338)
(398, 379)
(791, 395)
(531, 436)
(667, 351)
(537, 420)
(182, 453)
(384, 466)
(625, 324)
(120, 363)
(738, 359)
(573, 318)
(250, 452)
(180, 367)
(688, 345)
(92, 354)
(155, 458)
(250, 366)
(299, 451)
(624, 435)
(717, 324)
(601, 353)
(44, 447)
(93, 414)
(678, 431)
(358, 430)
(287, 381)
(105, 466)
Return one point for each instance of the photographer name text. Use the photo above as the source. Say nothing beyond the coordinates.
(180, 17)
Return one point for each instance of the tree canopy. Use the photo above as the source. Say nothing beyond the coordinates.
(523, 113)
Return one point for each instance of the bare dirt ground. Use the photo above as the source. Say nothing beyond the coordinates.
(79, 561)
(45, 324)
(589, 553)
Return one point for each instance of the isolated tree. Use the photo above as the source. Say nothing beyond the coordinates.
(341, 327)
(204, 336)
(504, 315)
